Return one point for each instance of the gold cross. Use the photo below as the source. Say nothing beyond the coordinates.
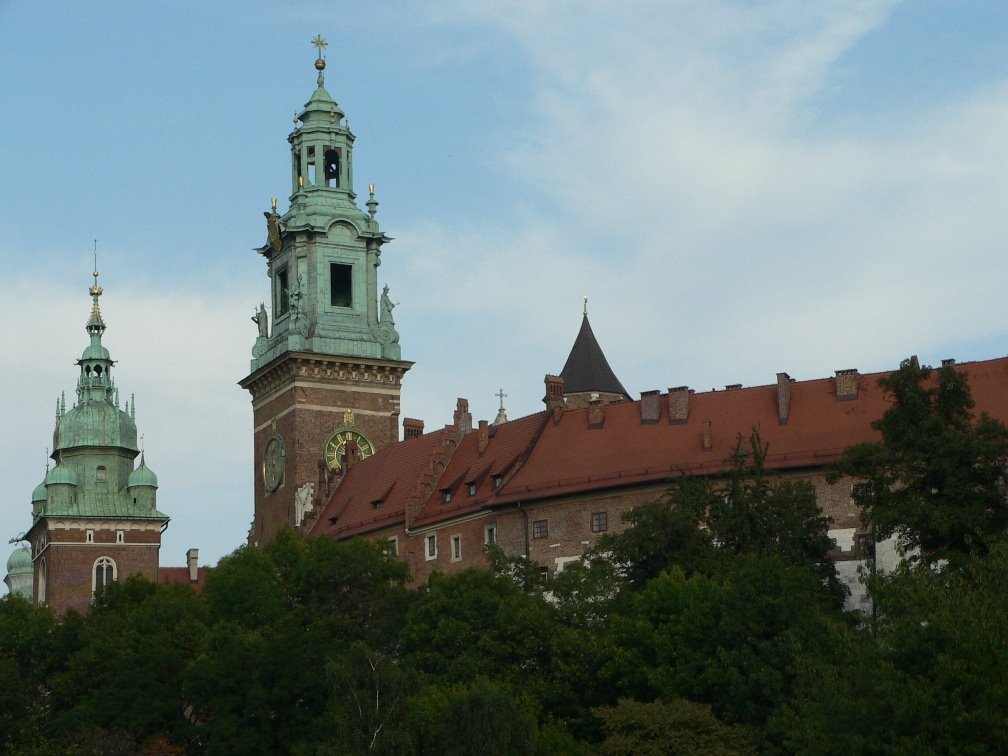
(320, 43)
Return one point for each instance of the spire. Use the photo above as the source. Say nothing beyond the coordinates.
(587, 369)
(95, 325)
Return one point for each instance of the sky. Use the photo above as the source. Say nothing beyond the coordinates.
(739, 188)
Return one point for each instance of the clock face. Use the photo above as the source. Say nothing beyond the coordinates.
(274, 462)
(333, 451)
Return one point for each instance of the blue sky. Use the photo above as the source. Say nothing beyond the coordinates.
(741, 188)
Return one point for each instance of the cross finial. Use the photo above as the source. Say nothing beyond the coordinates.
(585, 304)
(96, 289)
(320, 44)
(501, 395)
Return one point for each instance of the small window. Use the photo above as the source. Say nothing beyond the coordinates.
(544, 574)
(497, 481)
(599, 522)
(311, 166)
(540, 528)
(456, 543)
(432, 546)
(282, 295)
(861, 491)
(377, 504)
(120, 537)
(490, 535)
(445, 495)
(340, 288)
(100, 474)
(392, 547)
(864, 545)
(89, 537)
(471, 487)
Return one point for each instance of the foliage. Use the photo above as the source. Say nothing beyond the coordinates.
(634, 728)
(936, 479)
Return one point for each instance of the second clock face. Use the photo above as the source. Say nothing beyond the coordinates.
(274, 461)
(336, 445)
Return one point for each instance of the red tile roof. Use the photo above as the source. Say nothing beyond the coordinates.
(180, 576)
(539, 458)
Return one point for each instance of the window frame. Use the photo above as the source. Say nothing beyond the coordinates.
(540, 529)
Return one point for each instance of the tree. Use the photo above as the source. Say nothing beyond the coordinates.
(936, 479)
(701, 521)
(679, 727)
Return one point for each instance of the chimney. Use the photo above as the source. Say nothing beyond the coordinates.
(462, 420)
(351, 455)
(949, 362)
(783, 397)
(846, 385)
(650, 407)
(554, 398)
(412, 428)
(484, 436)
(706, 435)
(596, 414)
(678, 405)
(733, 386)
(192, 562)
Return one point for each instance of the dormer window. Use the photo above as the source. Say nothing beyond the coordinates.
(497, 480)
(446, 495)
(471, 487)
(377, 504)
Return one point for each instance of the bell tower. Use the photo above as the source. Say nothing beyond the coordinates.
(326, 366)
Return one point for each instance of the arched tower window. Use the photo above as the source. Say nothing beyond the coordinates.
(104, 573)
(332, 167)
(42, 582)
(100, 474)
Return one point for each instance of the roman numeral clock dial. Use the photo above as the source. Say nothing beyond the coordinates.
(335, 447)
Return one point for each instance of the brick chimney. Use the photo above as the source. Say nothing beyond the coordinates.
(650, 407)
(412, 428)
(192, 562)
(678, 405)
(706, 436)
(554, 398)
(462, 420)
(846, 384)
(783, 397)
(484, 436)
(596, 414)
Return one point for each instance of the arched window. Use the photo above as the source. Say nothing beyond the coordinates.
(42, 582)
(100, 474)
(104, 573)
(332, 167)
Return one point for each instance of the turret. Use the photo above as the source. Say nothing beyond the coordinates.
(142, 486)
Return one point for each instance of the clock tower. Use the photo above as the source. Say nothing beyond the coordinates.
(326, 367)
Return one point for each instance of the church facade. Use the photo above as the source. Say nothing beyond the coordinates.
(325, 383)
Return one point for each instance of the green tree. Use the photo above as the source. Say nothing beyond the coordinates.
(936, 479)
(125, 675)
(480, 717)
(679, 727)
(702, 522)
(28, 651)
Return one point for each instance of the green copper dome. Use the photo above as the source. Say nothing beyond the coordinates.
(39, 494)
(61, 475)
(95, 351)
(142, 476)
(96, 423)
(20, 562)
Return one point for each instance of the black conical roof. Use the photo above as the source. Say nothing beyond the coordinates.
(586, 368)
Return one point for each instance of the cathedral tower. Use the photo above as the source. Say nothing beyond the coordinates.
(94, 517)
(326, 367)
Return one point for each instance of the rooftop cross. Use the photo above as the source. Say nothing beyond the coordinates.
(585, 304)
(320, 44)
(501, 395)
